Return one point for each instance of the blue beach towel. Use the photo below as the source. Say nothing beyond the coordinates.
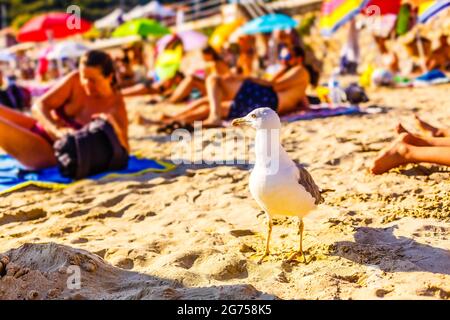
(432, 77)
(322, 112)
(14, 177)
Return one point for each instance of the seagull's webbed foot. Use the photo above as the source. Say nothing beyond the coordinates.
(295, 254)
(266, 254)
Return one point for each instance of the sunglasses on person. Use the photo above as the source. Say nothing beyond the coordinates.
(285, 57)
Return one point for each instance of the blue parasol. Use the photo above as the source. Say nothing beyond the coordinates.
(268, 24)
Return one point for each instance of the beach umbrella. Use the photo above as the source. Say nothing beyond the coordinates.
(67, 49)
(268, 24)
(381, 16)
(134, 13)
(50, 26)
(167, 64)
(222, 33)
(151, 9)
(428, 9)
(335, 13)
(415, 3)
(141, 27)
(192, 40)
(110, 21)
(109, 43)
(382, 7)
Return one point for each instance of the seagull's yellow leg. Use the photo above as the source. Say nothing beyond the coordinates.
(269, 234)
(300, 251)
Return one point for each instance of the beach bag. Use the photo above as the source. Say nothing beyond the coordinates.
(356, 94)
(91, 150)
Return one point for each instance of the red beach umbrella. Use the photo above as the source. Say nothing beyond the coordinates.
(384, 7)
(48, 26)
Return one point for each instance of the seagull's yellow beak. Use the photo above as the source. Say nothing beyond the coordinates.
(240, 122)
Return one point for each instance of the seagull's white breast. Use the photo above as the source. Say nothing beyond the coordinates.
(280, 193)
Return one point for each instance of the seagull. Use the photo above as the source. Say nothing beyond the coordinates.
(278, 185)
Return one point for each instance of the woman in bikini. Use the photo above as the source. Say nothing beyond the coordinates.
(81, 96)
(434, 147)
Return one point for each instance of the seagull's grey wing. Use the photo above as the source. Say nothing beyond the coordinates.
(307, 181)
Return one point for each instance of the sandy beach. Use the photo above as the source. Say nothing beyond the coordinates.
(196, 233)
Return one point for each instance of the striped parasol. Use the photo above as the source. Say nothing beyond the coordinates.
(429, 9)
(335, 13)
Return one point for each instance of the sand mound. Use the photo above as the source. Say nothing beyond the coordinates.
(50, 271)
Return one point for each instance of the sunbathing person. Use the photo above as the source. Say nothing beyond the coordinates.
(413, 148)
(388, 58)
(234, 96)
(150, 86)
(215, 65)
(414, 50)
(125, 73)
(81, 96)
(439, 58)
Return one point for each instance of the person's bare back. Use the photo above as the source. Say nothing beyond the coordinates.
(291, 89)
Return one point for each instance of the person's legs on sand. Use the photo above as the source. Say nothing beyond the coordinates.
(422, 141)
(28, 148)
(186, 86)
(16, 117)
(434, 131)
(138, 90)
(401, 153)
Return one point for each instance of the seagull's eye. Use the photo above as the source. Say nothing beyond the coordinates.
(254, 116)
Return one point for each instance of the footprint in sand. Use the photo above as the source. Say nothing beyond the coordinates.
(434, 291)
(23, 215)
(222, 267)
(241, 233)
(187, 260)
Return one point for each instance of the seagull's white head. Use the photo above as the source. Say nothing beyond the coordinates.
(261, 118)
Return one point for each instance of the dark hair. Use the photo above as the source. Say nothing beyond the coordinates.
(179, 74)
(299, 52)
(210, 50)
(174, 42)
(314, 75)
(103, 61)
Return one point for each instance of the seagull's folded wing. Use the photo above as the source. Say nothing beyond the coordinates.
(307, 181)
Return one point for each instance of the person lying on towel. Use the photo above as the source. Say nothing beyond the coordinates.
(234, 96)
(81, 124)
